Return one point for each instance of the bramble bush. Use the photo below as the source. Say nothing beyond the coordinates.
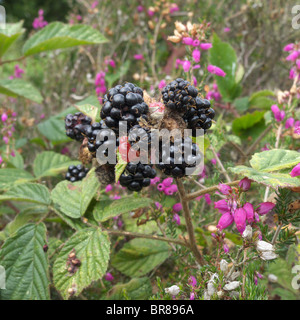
(73, 227)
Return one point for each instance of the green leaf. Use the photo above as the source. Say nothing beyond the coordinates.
(28, 192)
(120, 166)
(274, 160)
(9, 35)
(26, 265)
(20, 88)
(241, 104)
(49, 163)
(135, 289)
(274, 180)
(88, 110)
(54, 130)
(223, 56)
(140, 256)
(107, 209)
(12, 176)
(73, 199)
(16, 162)
(92, 248)
(59, 36)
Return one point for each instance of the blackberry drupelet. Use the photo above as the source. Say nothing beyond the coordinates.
(179, 95)
(137, 176)
(76, 173)
(173, 162)
(77, 125)
(124, 103)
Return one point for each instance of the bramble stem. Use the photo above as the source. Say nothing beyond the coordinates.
(188, 222)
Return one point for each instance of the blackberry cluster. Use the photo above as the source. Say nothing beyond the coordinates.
(77, 125)
(199, 116)
(172, 161)
(179, 95)
(76, 173)
(124, 103)
(137, 176)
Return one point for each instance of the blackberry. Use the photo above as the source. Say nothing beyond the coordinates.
(172, 162)
(179, 95)
(137, 176)
(76, 173)
(199, 116)
(77, 126)
(124, 103)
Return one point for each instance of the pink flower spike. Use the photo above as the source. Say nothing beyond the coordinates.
(196, 55)
(293, 56)
(205, 46)
(192, 281)
(186, 66)
(109, 277)
(289, 123)
(265, 207)
(296, 171)
(225, 221)
(289, 47)
(177, 207)
(108, 188)
(245, 184)
(138, 57)
(222, 206)
(240, 217)
(224, 189)
(248, 207)
(187, 41)
(176, 218)
(4, 117)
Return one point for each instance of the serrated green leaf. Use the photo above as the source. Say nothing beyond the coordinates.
(89, 110)
(107, 209)
(54, 130)
(140, 256)
(12, 176)
(26, 265)
(274, 180)
(92, 248)
(27, 192)
(274, 160)
(135, 289)
(20, 88)
(241, 104)
(15, 162)
(49, 163)
(9, 35)
(60, 36)
(73, 199)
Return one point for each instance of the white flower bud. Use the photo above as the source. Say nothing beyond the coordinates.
(235, 275)
(272, 278)
(224, 265)
(268, 255)
(247, 234)
(206, 296)
(231, 285)
(210, 288)
(264, 246)
(173, 291)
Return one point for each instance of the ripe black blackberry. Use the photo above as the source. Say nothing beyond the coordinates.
(179, 95)
(76, 173)
(172, 160)
(137, 176)
(124, 103)
(77, 125)
(199, 116)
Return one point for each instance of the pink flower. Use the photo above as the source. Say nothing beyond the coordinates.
(6, 140)
(186, 65)
(225, 248)
(226, 29)
(293, 56)
(255, 280)
(216, 70)
(289, 47)
(116, 197)
(112, 63)
(248, 207)
(196, 66)
(192, 281)
(289, 123)
(192, 296)
(292, 74)
(140, 8)
(297, 130)
(196, 55)
(245, 184)
(176, 218)
(265, 207)
(167, 182)
(225, 221)
(178, 63)
(160, 187)
(108, 188)
(154, 180)
(4, 117)
(79, 17)
(207, 198)
(162, 84)
(65, 150)
(205, 46)
(196, 43)
(188, 41)
(150, 12)
(195, 82)
(174, 8)
(296, 171)
(138, 57)
(278, 114)
(177, 207)
(240, 216)
(94, 4)
(158, 206)
(224, 189)
(174, 188)
(222, 206)
(109, 277)
(1, 160)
